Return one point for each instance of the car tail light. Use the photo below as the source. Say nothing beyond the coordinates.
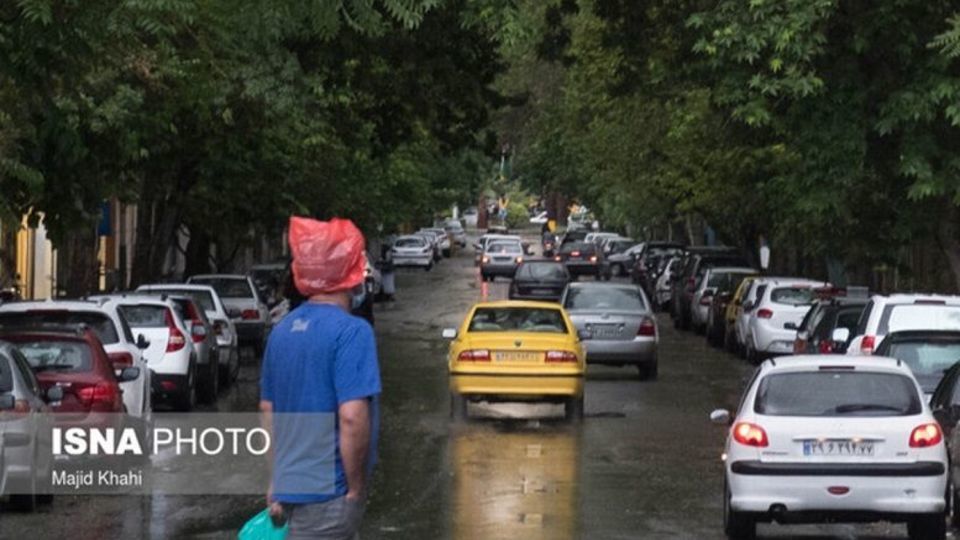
(926, 435)
(121, 360)
(474, 355)
(799, 345)
(867, 344)
(764, 313)
(485, 260)
(176, 341)
(557, 258)
(647, 327)
(749, 434)
(519, 260)
(20, 406)
(198, 332)
(105, 393)
(559, 357)
(574, 253)
(593, 258)
(825, 347)
(250, 315)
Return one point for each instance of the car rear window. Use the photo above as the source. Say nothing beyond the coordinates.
(504, 247)
(145, 316)
(409, 242)
(551, 271)
(63, 356)
(228, 287)
(928, 360)
(725, 281)
(203, 298)
(98, 322)
(582, 247)
(6, 374)
(604, 298)
(835, 393)
(793, 296)
(899, 317)
(517, 319)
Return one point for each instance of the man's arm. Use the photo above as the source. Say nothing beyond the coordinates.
(354, 419)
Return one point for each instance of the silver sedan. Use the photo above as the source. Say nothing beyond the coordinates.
(617, 322)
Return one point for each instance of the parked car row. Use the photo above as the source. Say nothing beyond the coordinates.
(429, 245)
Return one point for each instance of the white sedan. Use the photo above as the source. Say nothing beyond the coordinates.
(413, 251)
(834, 438)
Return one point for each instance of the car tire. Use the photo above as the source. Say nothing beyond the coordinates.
(27, 502)
(736, 525)
(211, 383)
(573, 409)
(649, 372)
(428, 267)
(954, 507)
(187, 399)
(458, 407)
(927, 527)
(446, 253)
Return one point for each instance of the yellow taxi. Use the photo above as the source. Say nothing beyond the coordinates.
(516, 351)
(734, 309)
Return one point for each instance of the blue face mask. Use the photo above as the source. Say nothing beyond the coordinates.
(359, 294)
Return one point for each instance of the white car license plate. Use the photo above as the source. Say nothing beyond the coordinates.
(605, 331)
(838, 447)
(513, 356)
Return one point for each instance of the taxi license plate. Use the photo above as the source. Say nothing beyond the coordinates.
(517, 356)
(838, 447)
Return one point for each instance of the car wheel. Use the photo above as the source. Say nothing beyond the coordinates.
(428, 267)
(211, 382)
(616, 270)
(188, 398)
(573, 409)
(736, 525)
(458, 407)
(927, 527)
(648, 372)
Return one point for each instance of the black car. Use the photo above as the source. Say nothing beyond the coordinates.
(583, 259)
(815, 333)
(698, 259)
(539, 280)
(929, 353)
(945, 405)
(648, 264)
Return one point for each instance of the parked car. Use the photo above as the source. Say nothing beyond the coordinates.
(268, 278)
(712, 281)
(583, 259)
(622, 256)
(776, 314)
(622, 328)
(455, 229)
(443, 240)
(177, 373)
(716, 326)
(697, 261)
(470, 216)
(250, 315)
(516, 351)
(413, 251)
(434, 240)
(816, 331)
(663, 291)
(945, 405)
(928, 353)
(539, 280)
(205, 346)
(596, 238)
(615, 245)
(884, 314)
(26, 456)
(649, 262)
(822, 437)
(228, 344)
(734, 314)
(500, 258)
(103, 317)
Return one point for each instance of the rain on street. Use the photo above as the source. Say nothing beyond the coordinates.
(645, 462)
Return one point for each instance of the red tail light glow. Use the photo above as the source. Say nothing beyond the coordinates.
(574, 253)
(749, 434)
(474, 355)
(176, 341)
(557, 258)
(102, 393)
(485, 260)
(926, 435)
(250, 315)
(593, 258)
(867, 344)
(825, 347)
(557, 357)
(799, 345)
(519, 260)
(121, 360)
(647, 328)
(764, 314)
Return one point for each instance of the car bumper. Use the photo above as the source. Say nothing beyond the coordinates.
(525, 387)
(166, 386)
(583, 269)
(774, 341)
(636, 351)
(552, 296)
(494, 269)
(802, 489)
(422, 260)
(250, 332)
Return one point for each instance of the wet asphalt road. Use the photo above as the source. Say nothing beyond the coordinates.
(643, 464)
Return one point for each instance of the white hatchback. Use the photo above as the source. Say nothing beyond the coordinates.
(775, 314)
(834, 438)
(897, 312)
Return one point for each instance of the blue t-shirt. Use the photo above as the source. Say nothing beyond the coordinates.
(318, 357)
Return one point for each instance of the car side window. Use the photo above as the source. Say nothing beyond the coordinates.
(746, 389)
(862, 323)
(952, 390)
(127, 333)
(758, 294)
(944, 392)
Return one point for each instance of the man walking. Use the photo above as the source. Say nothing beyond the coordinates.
(321, 363)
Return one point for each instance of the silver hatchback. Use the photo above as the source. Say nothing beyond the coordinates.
(621, 328)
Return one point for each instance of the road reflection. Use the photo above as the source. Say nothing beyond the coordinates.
(514, 479)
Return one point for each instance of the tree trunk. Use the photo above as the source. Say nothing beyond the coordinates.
(947, 235)
(77, 267)
(198, 253)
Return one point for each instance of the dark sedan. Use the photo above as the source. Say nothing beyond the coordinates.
(583, 259)
(539, 280)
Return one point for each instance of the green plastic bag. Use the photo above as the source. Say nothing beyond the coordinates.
(260, 527)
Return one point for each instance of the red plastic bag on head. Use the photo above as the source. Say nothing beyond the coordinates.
(328, 256)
